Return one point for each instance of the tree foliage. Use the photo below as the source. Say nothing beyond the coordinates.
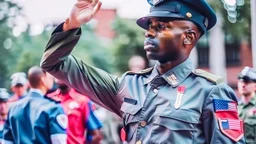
(8, 12)
(27, 50)
(128, 42)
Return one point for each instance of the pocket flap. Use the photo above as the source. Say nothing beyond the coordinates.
(173, 124)
(130, 108)
(180, 114)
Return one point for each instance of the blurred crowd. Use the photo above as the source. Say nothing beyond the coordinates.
(86, 122)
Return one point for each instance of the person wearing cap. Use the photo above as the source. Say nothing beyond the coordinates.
(247, 105)
(36, 119)
(4, 96)
(169, 103)
(19, 86)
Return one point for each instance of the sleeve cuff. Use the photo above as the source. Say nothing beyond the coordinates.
(59, 29)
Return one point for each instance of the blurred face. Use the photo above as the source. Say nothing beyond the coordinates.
(3, 110)
(19, 90)
(48, 81)
(246, 88)
(137, 63)
(165, 39)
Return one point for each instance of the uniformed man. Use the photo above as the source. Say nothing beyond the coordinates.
(247, 105)
(19, 86)
(36, 119)
(170, 103)
(4, 96)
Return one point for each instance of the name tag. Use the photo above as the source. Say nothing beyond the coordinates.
(130, 101)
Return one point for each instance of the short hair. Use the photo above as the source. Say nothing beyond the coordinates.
(35, 74)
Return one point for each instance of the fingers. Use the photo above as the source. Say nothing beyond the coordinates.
(81, 4)
(94, 3)
(97, 7)
(89, 1)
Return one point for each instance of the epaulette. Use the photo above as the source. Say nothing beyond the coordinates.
(209, 76)
(141, 72)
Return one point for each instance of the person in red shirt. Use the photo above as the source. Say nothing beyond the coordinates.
(83, 125)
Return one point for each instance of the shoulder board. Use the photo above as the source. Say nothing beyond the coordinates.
(209, 76)
(141, 72)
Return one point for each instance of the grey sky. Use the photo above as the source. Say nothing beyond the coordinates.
(57, 10)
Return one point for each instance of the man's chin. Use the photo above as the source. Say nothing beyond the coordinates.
(158, 58)
(246, 94)
(152, 56)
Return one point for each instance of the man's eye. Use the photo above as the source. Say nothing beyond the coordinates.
(161, 27)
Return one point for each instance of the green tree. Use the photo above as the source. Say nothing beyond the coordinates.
(128, 42)
(28, 50)
(8, 13)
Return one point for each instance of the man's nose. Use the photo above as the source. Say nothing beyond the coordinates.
(243, 84)
(150, 33)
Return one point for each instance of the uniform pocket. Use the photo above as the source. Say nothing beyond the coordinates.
(175, 125)
(130, 108)
(131, 118)
(249, 129)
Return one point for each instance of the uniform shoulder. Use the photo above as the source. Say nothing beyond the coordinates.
(52, 99)
(13, 98)
(145, 71)
(215, 79)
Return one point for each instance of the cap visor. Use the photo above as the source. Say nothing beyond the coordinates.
(144, 21)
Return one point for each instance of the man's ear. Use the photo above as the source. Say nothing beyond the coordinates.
(190, 37)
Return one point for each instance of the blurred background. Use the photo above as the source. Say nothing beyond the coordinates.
(112, 37)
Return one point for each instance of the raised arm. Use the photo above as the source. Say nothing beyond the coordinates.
(100, 86)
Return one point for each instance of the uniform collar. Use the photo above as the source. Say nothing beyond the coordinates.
(38, 91)
(174, 76)
(251, 102)
(153, 74)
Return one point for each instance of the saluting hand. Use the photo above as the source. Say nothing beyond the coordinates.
(82, 12)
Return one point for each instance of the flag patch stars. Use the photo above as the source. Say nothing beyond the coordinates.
(223, 105)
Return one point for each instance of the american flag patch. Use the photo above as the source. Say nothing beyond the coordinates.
(231, 124)
(223, 105)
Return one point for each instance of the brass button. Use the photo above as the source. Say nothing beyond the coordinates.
(155, 91)
(189, 15)
(143, 123)
(139, 142)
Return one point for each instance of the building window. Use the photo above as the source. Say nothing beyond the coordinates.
(232, 47)
(232, 51)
